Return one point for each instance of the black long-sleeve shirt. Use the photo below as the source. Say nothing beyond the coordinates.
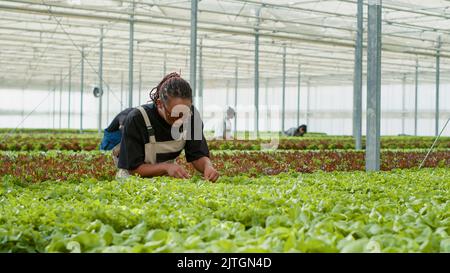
(135, 136)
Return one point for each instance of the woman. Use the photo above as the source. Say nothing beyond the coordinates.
(148, 147)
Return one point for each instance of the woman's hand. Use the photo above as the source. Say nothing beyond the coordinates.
(205, 166)
(210, 173)
(176, 171)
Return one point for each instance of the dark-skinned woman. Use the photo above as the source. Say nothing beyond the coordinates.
(154, 134)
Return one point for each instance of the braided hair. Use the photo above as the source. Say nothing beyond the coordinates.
(172, 85)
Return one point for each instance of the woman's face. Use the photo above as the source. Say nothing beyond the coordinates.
(174, 109)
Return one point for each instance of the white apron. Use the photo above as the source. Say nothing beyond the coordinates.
(152, 148)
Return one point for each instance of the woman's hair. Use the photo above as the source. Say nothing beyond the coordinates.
(172, 85)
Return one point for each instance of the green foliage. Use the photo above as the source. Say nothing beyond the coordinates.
(41, 140)
(398, 211)
(33, 167)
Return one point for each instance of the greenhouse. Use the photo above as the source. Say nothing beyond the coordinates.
(224, 126)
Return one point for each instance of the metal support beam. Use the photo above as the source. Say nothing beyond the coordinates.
(81, 89)
(403, 103)
(54, 101)
(298, 93)
(266, 102)
(200, 78)
(416, 93)
(283, 106)
(121, 91)
(130, 59)
(100, 81)
(227, 98)
(357, 80)
(108, 90)
(60, 98)
(438, 75)
(70, 90)
(193, 53)
(165, 65)
(258, 11)
(49, 88)
(236, 81)
(373, 86)
(308, 100)
(140, 84)
(22, 98)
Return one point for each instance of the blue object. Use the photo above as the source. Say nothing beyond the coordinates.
(110, 140)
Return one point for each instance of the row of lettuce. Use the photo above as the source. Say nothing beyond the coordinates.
(32, 167)
(398, 211)
(90, 142)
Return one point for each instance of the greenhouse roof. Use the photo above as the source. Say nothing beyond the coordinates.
(39, 40)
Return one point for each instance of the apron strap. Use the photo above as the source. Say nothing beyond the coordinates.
(153, 147)
(150, 130)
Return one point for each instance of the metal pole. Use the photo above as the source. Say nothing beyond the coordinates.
(236, 78)
(266, 101)
(257, 73)
(140, 83)
(60, 98)
(403, 103)
(22, 112)
(438, 72)
(100, 84)
(54, 101)
(298, 94)
(283, 106)
(373, 86)
(121, 90)
(70, 90)
(107, 104)
(49, 88)
(81, 89)
(357, 83)
(416, 97)
(200, 78)
(227, 99)
(165, 65)
(130, 58)
(193, 57)
(308, 99)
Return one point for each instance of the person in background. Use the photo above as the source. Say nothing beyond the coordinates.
(113, 134)
(223, 126)
(296, 131)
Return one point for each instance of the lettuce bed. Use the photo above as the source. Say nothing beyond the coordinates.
(35, 167)
(90, 142)
(398, 211)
